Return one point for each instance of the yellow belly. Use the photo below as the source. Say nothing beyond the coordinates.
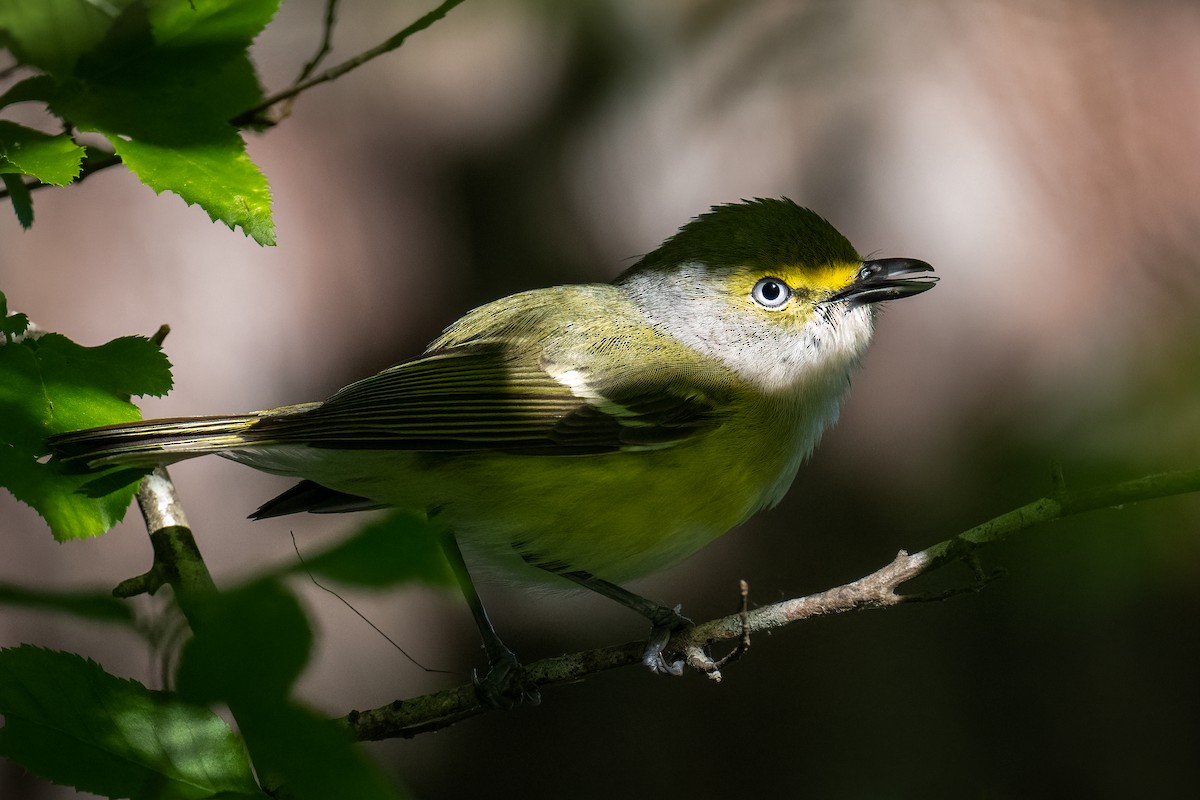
(618, 516)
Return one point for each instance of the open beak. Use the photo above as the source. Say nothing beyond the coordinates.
(886, 279)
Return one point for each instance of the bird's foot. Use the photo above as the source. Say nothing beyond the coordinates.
(504, 686)
(665, 621)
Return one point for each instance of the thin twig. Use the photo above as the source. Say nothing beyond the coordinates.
(284, 109)
(253, 115)
(407, 718)
(326, 41)
(697, 655)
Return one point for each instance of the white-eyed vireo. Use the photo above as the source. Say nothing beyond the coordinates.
(592, 433)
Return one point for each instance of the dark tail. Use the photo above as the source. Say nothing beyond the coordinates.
(153, 442)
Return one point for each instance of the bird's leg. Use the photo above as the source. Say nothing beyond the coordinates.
(502, 686)
(663, 620)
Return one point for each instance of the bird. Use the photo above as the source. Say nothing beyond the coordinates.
(584, 434)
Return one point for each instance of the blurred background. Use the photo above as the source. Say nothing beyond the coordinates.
(1041, 154)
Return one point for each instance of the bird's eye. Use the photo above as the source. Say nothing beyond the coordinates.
(771, 293)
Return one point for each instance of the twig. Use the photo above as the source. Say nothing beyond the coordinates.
(253, 115)
(697, 655)
(256, 119)
(407, 718)
(177, 559)
(326, 40)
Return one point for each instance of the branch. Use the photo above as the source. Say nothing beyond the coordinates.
(254, 116)
(177, 559)
(407, 718)
(326, 40)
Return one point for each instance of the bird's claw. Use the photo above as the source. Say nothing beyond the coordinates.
(667, 622)
(504, 687)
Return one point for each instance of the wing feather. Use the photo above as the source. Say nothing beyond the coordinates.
(479, 397)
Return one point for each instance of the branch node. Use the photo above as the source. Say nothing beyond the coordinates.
(699, 659)
(147, 583)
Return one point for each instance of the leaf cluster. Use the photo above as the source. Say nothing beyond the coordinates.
(71, 722)
(163, 87)
(157, 80)
(68, 720)
(49, 384)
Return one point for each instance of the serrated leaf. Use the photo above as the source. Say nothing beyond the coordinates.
(135, 84)
(184, 23)
(216, 175)
(21, 198)
(51, 159)
(69, 721)
(11, 325)
(400, 548)
(50, 385)
(162, 86)
(52, 34)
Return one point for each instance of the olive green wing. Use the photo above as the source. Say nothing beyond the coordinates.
(481, 397)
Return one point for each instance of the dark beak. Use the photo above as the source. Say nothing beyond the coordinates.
(886, 279)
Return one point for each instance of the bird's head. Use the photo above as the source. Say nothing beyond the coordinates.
(770, 289)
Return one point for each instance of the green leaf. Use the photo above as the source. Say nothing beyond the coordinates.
(22, 200)
(52, 34)
(215, 174)
(177, 84)
(69, 721)
(187, 23)
(251, 642)
(39, 88)
(49, 385)
(251, 645)
(400, 548)
(100, 607)
(11, 326)
(313, 758)
(51, 159)
(162, 85)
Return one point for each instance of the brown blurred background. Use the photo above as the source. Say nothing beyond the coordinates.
(1041, 154)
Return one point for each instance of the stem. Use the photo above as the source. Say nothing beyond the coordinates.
(177, 559)
(326, 40)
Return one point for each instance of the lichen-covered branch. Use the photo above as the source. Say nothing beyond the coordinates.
(407, 718)
(177, 559)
